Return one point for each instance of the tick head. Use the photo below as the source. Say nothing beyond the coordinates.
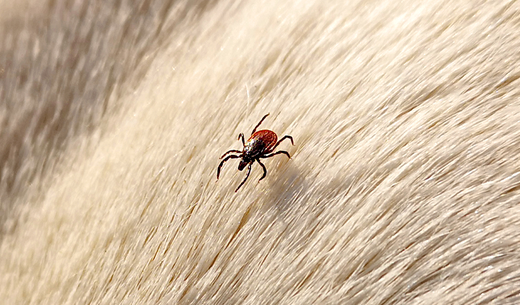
(242, 164)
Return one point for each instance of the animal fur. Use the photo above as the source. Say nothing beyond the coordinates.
(403, 187)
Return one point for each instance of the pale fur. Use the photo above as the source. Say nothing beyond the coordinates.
(403, 187)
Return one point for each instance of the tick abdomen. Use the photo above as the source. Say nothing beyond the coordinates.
(261, 141)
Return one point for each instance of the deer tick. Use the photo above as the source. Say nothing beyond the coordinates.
(260, 145)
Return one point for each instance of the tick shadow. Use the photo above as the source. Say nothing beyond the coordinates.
(286, 188)
(292, 186)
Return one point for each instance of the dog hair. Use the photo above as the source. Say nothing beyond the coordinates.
(403, 186)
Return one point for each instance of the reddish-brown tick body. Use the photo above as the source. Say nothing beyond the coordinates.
(259, 145)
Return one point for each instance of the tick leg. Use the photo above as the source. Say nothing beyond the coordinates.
(277, 153)
(247, 176)
(284, 137)
(222, 163)
(263, 167)
(241, 136)
(254, 130)
(231, 151)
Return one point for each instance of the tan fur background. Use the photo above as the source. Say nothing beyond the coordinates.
(403, 187)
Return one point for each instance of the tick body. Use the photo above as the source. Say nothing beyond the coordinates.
(260, 145)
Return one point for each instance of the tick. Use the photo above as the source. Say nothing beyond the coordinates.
(260, 145)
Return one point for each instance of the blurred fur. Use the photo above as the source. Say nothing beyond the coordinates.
(403, 187)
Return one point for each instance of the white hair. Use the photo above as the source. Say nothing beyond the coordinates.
(403, 186)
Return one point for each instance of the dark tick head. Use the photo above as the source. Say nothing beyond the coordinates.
(242, 165)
